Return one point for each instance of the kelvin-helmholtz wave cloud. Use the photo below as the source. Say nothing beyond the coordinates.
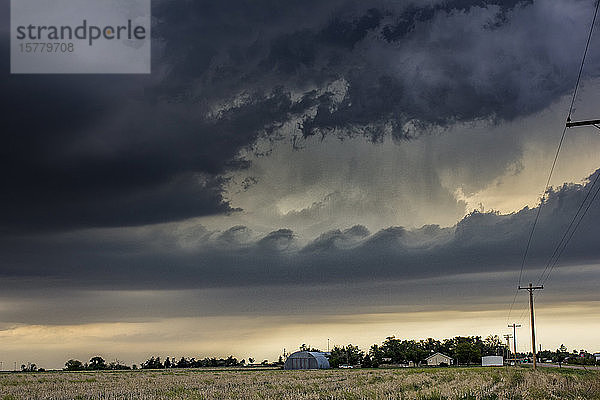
(167, 258)
(110, 151)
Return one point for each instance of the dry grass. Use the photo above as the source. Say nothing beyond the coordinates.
(422, 384)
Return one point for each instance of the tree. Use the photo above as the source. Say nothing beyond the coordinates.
(403, 351)
(29, 367)
(152, 363)
(467, 352)
(306, 347)
(376, 354)
(561, 355)
(231, 361)
(392, 348)
(349, 355)
(183, 363)
(431, 345)
(492, 346)
(413, 351)
(367, 362)
(251, 360)
(117, 365)
(97, 363)
(74, 365)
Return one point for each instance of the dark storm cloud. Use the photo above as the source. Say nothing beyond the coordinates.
(89, 151)
(155, 259)
(152, 272)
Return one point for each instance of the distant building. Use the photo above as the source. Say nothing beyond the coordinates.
(492, 361)
(437, 359)
(306, 360)
(597, 356)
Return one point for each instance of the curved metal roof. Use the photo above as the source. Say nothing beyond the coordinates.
(322, 361)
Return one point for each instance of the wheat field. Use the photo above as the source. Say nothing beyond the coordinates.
(443, 383)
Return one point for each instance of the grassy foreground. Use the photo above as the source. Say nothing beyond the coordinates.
(448, 383)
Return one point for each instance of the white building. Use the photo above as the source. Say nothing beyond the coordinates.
(437, 359)
(492, 361)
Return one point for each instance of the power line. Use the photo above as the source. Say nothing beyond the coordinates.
(522, 316)
(551, 264)
(587, 45)
(572, 233)
(562, 137)
(565, 238)
(537, 217)
(512, 305)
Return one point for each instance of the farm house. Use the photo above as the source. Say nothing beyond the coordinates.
(306, 360)
(438, 359)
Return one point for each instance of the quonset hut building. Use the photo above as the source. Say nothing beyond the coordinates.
(306, 360)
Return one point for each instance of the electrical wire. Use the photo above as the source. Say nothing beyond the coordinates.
(565, 238)
(560, 143)
(572, 233)
(587, 45)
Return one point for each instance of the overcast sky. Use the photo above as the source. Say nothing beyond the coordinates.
(294, 171)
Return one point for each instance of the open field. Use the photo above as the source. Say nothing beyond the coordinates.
(448, 383)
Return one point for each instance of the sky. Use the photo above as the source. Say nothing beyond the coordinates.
(297, 171)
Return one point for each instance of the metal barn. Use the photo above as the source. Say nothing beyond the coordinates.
(306, 360)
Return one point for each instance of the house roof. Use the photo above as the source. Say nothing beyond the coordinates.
(443, 355)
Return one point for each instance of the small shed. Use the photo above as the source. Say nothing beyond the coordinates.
(436, 359)
(306, 360)
(492, 361)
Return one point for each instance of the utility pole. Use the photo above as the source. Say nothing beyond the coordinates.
(531, 288)
(507, 337)
(515, 326)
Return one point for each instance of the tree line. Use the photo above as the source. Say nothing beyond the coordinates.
(464, 350)
(98, 363)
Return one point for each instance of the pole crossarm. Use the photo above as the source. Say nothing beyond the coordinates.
(530, 288)
(574, 124)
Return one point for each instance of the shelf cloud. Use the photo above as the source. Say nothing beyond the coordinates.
(94, 151)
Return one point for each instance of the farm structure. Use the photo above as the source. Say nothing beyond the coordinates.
(437, 359)
(492, 361)
(306, 360)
